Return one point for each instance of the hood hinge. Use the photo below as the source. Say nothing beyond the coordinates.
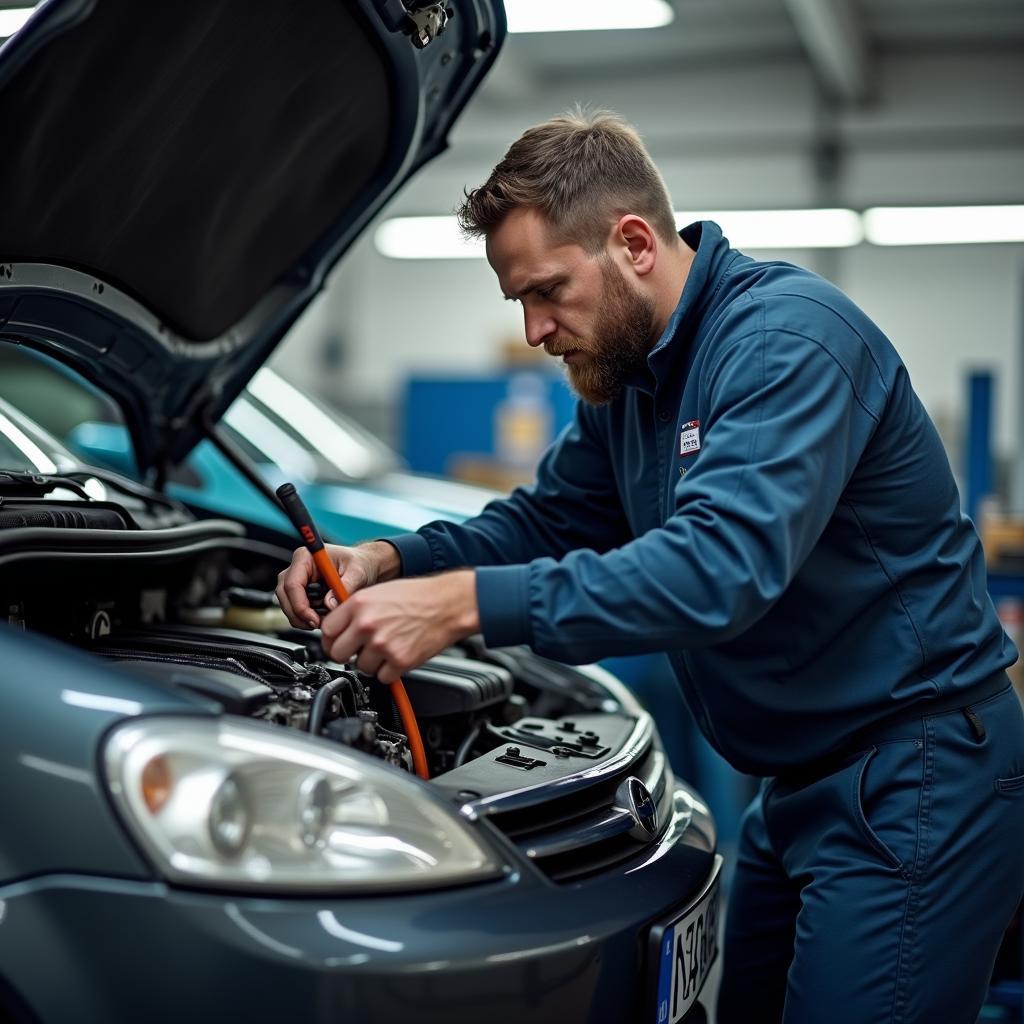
(425, 21)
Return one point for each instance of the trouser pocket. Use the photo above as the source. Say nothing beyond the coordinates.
(1010, 786)
(870, 798)
(865, 812)
(884, 794)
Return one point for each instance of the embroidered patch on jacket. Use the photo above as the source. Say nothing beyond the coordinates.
(689, 438)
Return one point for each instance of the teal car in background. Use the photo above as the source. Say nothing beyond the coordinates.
(353, 483)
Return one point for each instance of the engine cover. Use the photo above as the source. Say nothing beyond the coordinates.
(448, 685)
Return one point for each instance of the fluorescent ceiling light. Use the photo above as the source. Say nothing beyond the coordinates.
(11, 19)
(943, 225)
(523, 15)
(425, 238)
(439, 238)
(585, 15)
(783, 229)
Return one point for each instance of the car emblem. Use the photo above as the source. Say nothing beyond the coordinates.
(635, 797)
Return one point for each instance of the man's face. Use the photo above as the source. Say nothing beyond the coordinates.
(579, 307)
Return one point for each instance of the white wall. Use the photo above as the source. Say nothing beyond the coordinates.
(949, 310)
(941, 131)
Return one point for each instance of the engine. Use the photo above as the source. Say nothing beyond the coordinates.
(539, 750)
(206, 621)
(283, 679)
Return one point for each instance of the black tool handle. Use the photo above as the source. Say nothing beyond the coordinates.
(297, 512)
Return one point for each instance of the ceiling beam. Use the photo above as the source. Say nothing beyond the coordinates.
(832, 35)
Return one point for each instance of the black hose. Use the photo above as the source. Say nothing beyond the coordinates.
(321, 702)
(467, 744)
(396, 718)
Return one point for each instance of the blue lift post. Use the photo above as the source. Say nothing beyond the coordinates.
(979, 476)
(978, 463)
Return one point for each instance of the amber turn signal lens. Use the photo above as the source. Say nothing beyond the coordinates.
(156, 783)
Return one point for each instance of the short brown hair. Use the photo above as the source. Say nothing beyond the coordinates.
(581, 171)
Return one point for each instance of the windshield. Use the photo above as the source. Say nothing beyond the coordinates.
(26, 447)
(274, 422)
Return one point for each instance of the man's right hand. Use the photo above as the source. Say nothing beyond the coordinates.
(358, 567)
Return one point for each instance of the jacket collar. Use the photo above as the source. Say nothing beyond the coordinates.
(711, 262)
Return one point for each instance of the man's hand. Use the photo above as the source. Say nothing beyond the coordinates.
(391, 628)
(358, 567)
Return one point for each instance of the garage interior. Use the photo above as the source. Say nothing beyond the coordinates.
(807, 129)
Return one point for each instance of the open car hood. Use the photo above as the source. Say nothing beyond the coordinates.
(179, 178)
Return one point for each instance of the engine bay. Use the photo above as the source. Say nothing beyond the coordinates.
(550, 755)
(191, 605)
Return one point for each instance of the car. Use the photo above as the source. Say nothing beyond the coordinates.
(354, 484)
(204, 818)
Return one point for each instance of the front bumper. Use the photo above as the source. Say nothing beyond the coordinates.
(79, 948)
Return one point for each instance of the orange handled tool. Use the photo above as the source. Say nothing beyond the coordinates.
(297, 512)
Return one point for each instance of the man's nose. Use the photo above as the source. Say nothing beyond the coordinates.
(538, 328)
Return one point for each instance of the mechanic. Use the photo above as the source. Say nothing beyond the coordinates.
(751, 484)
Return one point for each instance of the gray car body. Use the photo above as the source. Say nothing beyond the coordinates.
(89, 932)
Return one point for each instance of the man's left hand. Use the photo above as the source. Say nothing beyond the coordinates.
(393, 627)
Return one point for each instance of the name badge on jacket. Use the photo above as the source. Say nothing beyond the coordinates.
(689, 438)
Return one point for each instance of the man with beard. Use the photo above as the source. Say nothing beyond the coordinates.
(751, 485)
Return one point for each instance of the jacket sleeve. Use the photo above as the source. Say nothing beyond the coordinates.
(785, 428)
(573, 503)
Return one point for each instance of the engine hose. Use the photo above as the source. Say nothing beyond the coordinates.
(396, 717)
(467, 745)
(321, 702)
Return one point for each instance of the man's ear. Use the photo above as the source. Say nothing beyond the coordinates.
(637, 242)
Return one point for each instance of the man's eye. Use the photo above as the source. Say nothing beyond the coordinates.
(547, 293)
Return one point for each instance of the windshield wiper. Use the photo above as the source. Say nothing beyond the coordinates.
(126, 484)
(14, 482)
(18, 483)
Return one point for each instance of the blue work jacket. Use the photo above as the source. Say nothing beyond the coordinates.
(768, 502)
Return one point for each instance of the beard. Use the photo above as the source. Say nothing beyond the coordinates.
(623, 337)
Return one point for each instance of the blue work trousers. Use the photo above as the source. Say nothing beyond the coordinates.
(879, 891)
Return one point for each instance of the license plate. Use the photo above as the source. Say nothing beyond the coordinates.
(684, 949)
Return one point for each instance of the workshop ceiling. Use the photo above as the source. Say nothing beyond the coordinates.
(725, 32)
(779, 81)
(716, 31)
(838, 40)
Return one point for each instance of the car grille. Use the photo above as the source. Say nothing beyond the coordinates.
(587, 831)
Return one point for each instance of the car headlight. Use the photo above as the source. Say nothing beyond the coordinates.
(239, 805)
